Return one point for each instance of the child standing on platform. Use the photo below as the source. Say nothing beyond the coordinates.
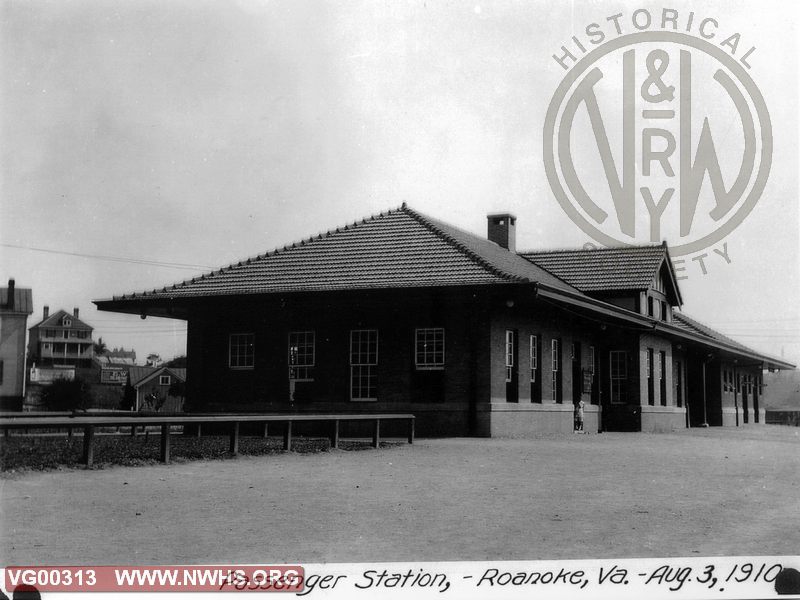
(579, 415)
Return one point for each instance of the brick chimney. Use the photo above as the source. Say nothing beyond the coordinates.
(502, 230)
(10, 301)
(76, 312)
(46, 312)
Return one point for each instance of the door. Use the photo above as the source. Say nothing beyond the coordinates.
(577, 374)
(743, 385)
(756, 390)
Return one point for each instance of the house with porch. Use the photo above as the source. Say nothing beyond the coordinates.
(401, 312)
(61, 339)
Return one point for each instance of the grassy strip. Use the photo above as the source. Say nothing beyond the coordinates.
(18, 453)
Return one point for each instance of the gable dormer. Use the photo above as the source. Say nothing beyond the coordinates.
(662, 295)
(638, 278)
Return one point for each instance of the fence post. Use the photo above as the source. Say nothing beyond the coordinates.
(234, 446)
(287, 437)
(88, 445)
(335, 434)
(376, 435)
(165, 443)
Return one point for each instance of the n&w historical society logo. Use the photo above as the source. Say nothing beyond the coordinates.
(658, 132)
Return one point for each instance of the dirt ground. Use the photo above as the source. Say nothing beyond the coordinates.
(698, 492)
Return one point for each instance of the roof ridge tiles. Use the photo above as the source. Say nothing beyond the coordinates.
(600, 249)
(459, 245)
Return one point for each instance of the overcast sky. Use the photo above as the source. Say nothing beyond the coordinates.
(198, 133)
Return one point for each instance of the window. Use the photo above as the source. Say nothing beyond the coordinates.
(662, 377)
(678, 383)
(591, 360)
(649, 369)
(301, 355)
(429, 348)
(534, 349)
(555, 349)
(164, 380)
(536, 373)
(663, 311)
(510, 354)
(619, 376)
(555, 391)
(363, 363)
(241, 353)
(650, 308)
(67, 322)
(65, 333)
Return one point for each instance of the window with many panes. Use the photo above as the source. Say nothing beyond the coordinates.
(363, 364)
(429, 348)
(510, 354)
(619, 376)
(535, 351)
(241, 353)
(301, 355)
(534, 354)
(555, 351)
(164, 380)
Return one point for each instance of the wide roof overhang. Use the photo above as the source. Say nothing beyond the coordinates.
(678, 334)
(180, 307)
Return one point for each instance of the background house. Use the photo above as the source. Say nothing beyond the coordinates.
(148, 389)
(118, 356)
(16, 304)
(61, 339)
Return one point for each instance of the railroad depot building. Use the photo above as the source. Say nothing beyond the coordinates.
(404, 313)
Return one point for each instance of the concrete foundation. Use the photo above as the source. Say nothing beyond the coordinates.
(662, 419)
